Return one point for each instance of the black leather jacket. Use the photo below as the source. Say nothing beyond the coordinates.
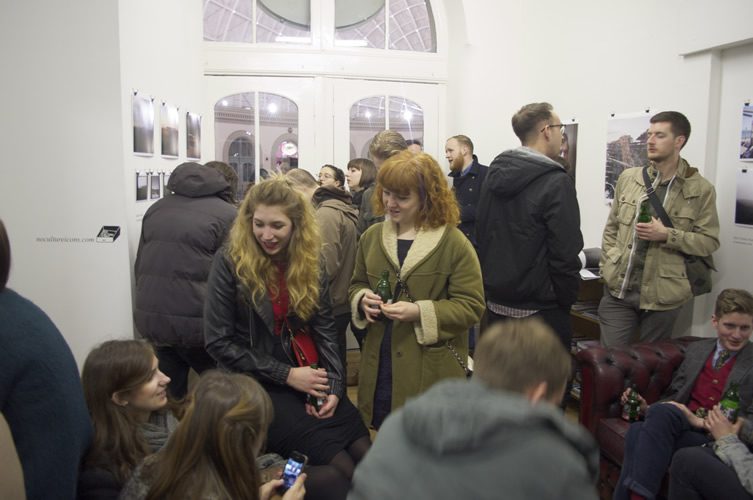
(240, 336)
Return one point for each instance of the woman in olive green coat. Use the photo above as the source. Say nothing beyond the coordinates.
(421, 335)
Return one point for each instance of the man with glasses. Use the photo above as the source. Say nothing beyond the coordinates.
(528, 227)
(643, 263)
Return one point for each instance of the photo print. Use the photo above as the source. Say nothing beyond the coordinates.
(143, 125)
(569, 148)
(626, 147)
(142, 186)
(744, 198)
(155, 184)
(193, 136)
(165, 180)
(746, 133)
(169, 126)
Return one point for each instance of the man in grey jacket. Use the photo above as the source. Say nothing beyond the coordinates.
(498, 435)
(179, 236)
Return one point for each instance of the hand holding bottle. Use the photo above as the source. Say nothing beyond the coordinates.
(719, 425)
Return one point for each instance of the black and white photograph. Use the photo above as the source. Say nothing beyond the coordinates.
(569, 148)
(746, 133)
(744, 198)
(143, 125)
(626, 147)
(165, 180)
(155, 186)
(169, 127)
(193, 136)
(142, 187)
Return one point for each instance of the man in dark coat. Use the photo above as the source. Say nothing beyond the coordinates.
(179, 236)
(467, 178)
(528, 227)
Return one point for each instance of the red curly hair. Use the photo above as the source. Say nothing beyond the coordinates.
(408, 172)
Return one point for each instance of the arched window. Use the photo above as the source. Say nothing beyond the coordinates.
(369, 116)
(381, 24)
(237, 119)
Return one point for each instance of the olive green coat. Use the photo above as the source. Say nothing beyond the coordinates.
(443, 277)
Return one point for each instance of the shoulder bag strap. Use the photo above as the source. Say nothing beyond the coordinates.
(658, 208)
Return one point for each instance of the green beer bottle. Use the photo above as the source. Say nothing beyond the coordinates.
(384, 290)
(313, 400)
(730, 403)
(632, 407)
(645, 213)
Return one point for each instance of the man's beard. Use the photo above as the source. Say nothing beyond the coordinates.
(457, 164)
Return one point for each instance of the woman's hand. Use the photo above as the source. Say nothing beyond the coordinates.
(407, 312)
(369, 305)
(297, 491)
(326, 410)
(718, 424)
(693, 419)
(268, 489)
(308, 380)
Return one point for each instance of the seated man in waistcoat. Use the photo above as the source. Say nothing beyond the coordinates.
(677, 421)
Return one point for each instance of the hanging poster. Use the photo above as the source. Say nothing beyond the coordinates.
(569, 148)
(169, 125)
(143, 125)
(193, 136)
(142, 189)
(744, 198)
(155, 186)
(746, 133)
(626, 147)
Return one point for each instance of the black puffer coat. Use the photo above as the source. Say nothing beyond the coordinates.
(179, 236)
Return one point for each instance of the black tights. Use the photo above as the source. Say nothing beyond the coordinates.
(332, 481)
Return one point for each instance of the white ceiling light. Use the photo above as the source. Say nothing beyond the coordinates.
(272, 107)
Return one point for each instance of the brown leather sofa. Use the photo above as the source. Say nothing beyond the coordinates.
(605, 374)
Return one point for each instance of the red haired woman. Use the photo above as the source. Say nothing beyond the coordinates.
(436, 281)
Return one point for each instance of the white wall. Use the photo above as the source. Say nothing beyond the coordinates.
(62, 164)
(590, 59)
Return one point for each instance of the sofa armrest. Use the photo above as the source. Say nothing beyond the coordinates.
(607, 371)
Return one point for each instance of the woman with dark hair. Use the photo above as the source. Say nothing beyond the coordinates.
(421, 336)
(127, 398)
(268, 314)
(330, 175)
(361, 174)
(208, 455)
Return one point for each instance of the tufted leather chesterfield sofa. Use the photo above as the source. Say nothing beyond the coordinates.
(605, 373)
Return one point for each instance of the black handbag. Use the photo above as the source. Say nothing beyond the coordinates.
(697, 269)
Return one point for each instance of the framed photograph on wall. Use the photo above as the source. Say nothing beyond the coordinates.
(626, 147)
(165, 180)
(155, 186)
(746, 133)
(193, 136)
(143, 125)
(744, 198)
(142, 186)
(569, 148)
(169, 127)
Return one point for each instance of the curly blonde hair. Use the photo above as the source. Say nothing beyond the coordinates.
(408, 172)
(256, 270)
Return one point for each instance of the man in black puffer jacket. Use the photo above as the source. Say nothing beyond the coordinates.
(528, 227)
(179, 236)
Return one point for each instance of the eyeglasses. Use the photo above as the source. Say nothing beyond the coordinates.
(555, 125)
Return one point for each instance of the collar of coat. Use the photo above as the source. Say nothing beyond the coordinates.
(685, 174)
(424, 245)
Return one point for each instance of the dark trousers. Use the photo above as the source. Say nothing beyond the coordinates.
(697, 473)
(341, 325)
(649, 446)
(177, 361)
(558, 320)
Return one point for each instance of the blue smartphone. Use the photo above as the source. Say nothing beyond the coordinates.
(293, 469)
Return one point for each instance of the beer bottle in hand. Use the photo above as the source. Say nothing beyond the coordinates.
(384, 290)
(645, 213)
(313, 400)
(730, 403)
(632, 407)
